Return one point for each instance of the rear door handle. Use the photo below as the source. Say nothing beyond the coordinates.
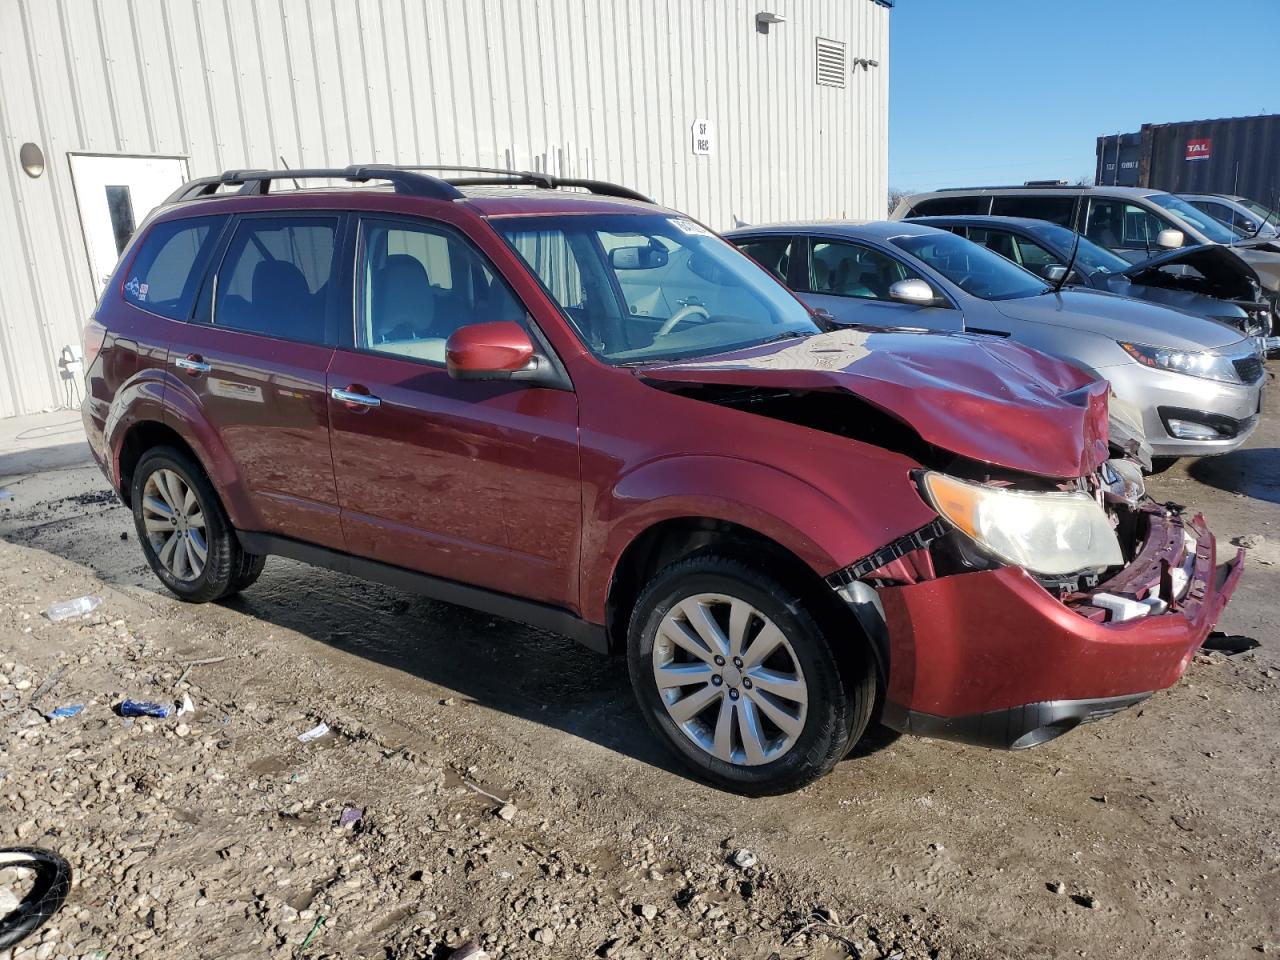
(193, 364)
(354, 399)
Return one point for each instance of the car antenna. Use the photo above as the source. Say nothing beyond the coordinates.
(284, 163)
(1071, 262)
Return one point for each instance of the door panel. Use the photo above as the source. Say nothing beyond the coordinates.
(256, 365)
(476, 481)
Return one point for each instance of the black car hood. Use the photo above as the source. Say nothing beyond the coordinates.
(1226, 276)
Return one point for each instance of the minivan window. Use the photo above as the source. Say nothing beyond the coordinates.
(274, 277)
(420, 283)
(1057, 210)
(971, 267)
(951, 207)
(642, 287)
(166, 273)
(1117, 225)
(1210, 227)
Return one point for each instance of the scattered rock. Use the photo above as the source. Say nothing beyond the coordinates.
(1056, 886)
(545, 936)
(507, 812)
(647, 910)
(1086, 900)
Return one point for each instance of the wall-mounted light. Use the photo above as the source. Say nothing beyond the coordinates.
(764, 19)
(32, 159)
(864, 63)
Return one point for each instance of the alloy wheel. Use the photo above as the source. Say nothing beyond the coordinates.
(175, 524)
(730, 679)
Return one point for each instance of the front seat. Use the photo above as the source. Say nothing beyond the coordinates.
(402, 306)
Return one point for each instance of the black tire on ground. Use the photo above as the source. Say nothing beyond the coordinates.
(841, 682)
(228, 568)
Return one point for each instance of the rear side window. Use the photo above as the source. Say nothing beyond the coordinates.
(772, 253)
(166, 273)
(275, 275)
(951, 206)
(1057, 210)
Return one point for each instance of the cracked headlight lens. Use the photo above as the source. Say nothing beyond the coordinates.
(1053, 533)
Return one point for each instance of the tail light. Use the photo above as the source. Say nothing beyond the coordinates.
(92, 338)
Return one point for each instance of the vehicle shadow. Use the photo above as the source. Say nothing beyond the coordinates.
(495, 663)
(1254, 472)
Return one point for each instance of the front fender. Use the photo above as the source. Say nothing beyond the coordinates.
(825, 531)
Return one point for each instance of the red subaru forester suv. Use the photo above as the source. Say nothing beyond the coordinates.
(556, 401)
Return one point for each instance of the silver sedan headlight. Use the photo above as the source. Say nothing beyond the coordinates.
(1195, 363)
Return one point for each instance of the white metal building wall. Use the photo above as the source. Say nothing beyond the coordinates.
(599, 88)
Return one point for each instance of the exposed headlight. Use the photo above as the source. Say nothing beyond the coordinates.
(1048, 533)
(1195, 363)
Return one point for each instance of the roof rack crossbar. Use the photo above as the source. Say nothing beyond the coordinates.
(258, 182)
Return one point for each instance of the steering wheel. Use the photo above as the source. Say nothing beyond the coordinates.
(681, 315)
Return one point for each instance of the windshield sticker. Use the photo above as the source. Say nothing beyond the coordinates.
(689, 227)
(132, 288)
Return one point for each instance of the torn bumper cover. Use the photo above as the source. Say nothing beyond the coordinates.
(993, 658)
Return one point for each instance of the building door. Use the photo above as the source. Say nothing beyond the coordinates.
(114, 195)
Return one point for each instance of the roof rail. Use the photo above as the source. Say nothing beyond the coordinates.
(1038, 184)
(536, 178)
(257, 182)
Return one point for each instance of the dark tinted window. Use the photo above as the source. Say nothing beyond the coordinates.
(170, 263)
(1054, 209)
(772, 253)
(951, 206)
(1117, 225)
(275, 277)
(418, 284)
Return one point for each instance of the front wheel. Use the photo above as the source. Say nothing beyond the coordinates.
(734, 672)
(186, 535)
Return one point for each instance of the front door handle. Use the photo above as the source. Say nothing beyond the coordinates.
(355, 400)
(192, 363)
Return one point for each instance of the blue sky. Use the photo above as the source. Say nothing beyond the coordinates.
(1002, 91)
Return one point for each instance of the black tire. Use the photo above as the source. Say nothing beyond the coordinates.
(841, 683)
(228, 568)
(53, 883)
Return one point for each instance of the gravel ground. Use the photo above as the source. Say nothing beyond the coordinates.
(504, 790)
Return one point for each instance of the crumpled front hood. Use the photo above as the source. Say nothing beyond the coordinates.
(989, 400)
(1119, 318)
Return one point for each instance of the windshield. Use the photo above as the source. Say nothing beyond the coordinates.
(1090, 258)
(1208, 226)
(641, 287)
(972, 267)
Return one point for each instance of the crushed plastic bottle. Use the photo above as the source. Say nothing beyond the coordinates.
(65, 609)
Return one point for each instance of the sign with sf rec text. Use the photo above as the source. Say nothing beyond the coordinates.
(702, 138)
(1199, 149)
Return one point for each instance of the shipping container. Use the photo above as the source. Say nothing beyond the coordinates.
(1237, 156)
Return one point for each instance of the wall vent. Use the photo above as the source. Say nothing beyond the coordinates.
(831, 63)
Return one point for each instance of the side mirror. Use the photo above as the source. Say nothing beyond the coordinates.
(490, 351)
(1248, 226)
(915, 292)
(1055, 272)
(638, 258)
(1169, 239)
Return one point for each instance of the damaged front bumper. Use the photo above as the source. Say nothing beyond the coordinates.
(993, 658)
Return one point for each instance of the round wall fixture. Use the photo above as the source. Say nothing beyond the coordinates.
(32, 159)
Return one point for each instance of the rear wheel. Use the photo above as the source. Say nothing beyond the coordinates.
(186, 535)
(735, 673)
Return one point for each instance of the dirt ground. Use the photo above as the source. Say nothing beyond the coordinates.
(510, 793)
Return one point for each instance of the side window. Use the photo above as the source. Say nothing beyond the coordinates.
(170, 263)
(1220, 212)
(420, 283)
(1034, 257)
(274, 278)
(1122, 226)
(999, 241)
(773, 253)
(852, 270)
(1057, 210)
(951, 206)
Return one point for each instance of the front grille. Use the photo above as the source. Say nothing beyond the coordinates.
(1249, 369)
